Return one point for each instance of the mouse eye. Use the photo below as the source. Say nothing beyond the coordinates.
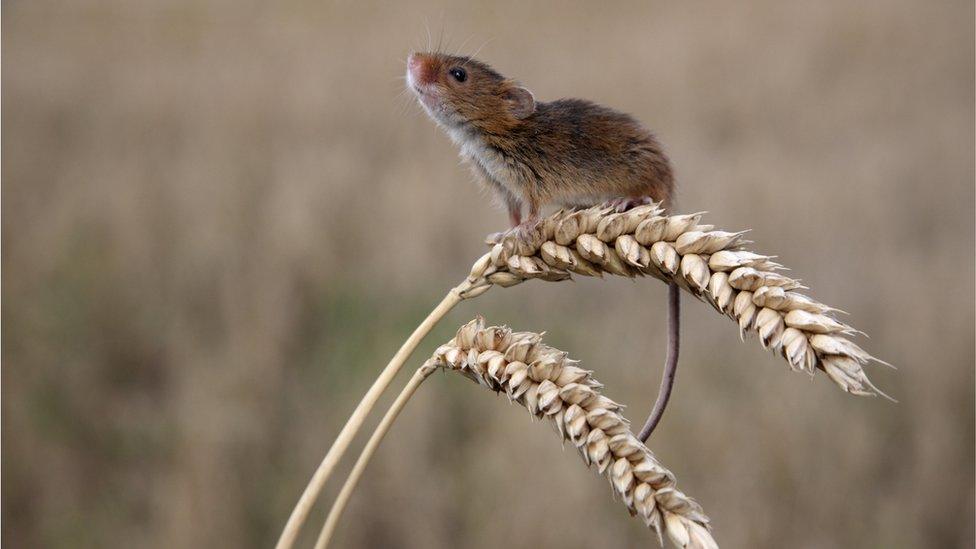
(459, 74)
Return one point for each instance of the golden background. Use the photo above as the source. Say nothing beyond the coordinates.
(220, 221)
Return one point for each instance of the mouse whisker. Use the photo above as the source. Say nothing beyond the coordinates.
(401, 95)
(457, 53)
(477, 51)
(440, 35)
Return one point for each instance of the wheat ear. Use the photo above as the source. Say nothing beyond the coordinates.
(551, 385)
(709, 264)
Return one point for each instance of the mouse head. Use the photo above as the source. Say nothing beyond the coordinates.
(461, 92)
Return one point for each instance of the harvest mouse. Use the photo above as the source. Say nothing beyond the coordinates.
(568, 152)
(529, 153)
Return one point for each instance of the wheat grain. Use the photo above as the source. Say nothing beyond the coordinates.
(550, 385)
(711, 265)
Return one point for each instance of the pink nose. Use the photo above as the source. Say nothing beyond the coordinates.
(413, 62)
(420, 68)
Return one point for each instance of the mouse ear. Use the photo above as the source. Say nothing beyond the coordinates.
(520, 101)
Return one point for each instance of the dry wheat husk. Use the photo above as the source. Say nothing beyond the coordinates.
(550, 385)
(711, 265)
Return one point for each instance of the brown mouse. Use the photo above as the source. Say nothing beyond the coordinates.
(567, 152)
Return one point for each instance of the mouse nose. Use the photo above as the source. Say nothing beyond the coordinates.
(413, 61)
(419, 68)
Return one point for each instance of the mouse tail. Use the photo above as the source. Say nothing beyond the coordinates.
(670, 362)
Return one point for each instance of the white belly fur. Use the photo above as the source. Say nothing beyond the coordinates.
(473, 149)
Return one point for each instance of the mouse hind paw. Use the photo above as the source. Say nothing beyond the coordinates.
(625, 203)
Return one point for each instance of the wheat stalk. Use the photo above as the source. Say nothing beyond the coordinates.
(314, 488)
(472, 286)
(550, 385)
(332, 521)
(709, 264)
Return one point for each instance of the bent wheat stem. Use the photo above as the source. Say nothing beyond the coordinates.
(355, 421)
(374, 441)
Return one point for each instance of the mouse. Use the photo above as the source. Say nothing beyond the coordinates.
(531, 154)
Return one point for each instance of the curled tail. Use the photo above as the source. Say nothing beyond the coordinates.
(670, 363)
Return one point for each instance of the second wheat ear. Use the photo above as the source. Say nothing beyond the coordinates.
(552, 386)
(711, 265)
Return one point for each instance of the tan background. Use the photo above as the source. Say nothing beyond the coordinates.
(219, 221)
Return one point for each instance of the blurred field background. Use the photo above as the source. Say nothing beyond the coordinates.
(220, 221)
